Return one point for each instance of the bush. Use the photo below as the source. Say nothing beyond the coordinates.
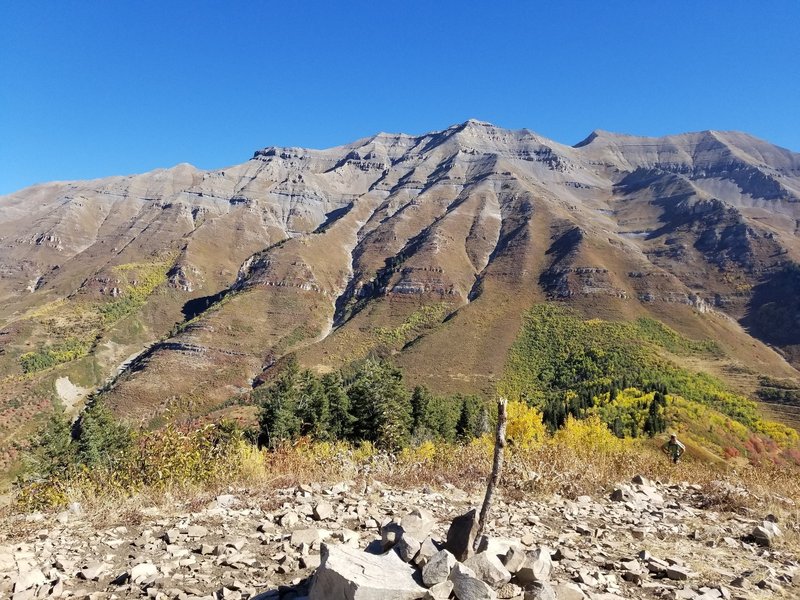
(166, 460)
(524, 428)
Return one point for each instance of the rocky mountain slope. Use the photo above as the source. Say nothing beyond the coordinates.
(648, 540)
(178, 288)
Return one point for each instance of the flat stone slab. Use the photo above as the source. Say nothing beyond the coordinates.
(349, 574)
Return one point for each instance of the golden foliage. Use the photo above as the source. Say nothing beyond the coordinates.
(525, 428)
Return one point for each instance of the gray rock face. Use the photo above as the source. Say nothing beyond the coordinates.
(438, 568)
(461, 535)
(766, 533)
(467, 586)
(537, 567)
(440, 591)
(489, 569)
(322, 511)
(282, 194)
(408, 547)
(426, 551)
(418, 523)
(348, 574)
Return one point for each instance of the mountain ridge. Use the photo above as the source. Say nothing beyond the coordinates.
(314, 251)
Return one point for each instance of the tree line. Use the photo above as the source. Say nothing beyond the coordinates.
(368, 402)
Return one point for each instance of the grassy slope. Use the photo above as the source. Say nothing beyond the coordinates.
(558, 352)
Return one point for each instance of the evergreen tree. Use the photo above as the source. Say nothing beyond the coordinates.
(656, 422)
(442, 415)
(473, 420)
(100, 438)
(341, 421)
(617, 428)
(613, 392)
(52, 450)
(313, 407)
(279, 420)
(381, 405)
(420, 399)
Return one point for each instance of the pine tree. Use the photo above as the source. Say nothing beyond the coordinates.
(279, 420)
(381, 405)
(473, 419)
(313, 407)
(52, 450)
(101, 437)
(340, 421)
(420, 399)
(617, 428)
(656, 422)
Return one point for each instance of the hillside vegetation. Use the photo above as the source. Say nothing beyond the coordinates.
(625, 373)
(583, 392)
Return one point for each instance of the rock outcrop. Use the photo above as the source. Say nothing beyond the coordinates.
(543, 549)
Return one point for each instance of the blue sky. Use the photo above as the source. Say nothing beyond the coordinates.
(91, 89)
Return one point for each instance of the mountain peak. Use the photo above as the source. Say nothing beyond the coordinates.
(472, 125)
(476, 123)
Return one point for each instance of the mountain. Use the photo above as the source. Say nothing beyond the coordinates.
(177, 289)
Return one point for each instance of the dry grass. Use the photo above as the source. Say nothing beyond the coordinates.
(569, 464)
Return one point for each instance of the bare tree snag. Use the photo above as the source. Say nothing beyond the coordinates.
(497, 466)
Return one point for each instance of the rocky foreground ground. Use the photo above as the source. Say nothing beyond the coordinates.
(646, 540)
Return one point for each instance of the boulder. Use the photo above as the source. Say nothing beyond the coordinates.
(508, 591)
(7, 562)
(765, 534)
(438, 568)
(537, 567)
(418, 523)
(461, 535)
(514, 559)
(92, 571)
(28, 580)
(427, 550)
(467, 586)
(677, 573)
(489, 569)
(346, 573)
(310, 562)
(622, 494)
(197, 531)
(440, 591)
(510, 552)
(323, 511)
(172, 536)
(290, 519)
(407, 547)
(540, 590)
(569, 591)
(142, 572)
(306, 536)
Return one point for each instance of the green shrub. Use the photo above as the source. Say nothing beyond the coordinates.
(47, 357)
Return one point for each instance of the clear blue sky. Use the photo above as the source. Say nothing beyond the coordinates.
(90, 89)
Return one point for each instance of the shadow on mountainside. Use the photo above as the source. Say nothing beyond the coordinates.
(773, 313)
